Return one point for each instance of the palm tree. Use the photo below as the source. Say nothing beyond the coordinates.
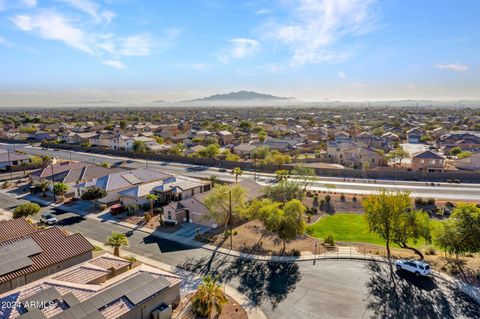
(116, 240)
(209, 297)
(237, 171)
(213, 179)
(43, 187)
(152, 198)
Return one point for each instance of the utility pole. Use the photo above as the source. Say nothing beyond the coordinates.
(53, 184)
(230, 217)
(10, 164)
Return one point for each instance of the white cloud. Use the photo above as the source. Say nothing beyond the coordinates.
(117, 64)
(28, 3)
(240, 48)
(452, 67)
(318, 25)
(342, 75)
(92, 9)
(135, 45)
(54, 26)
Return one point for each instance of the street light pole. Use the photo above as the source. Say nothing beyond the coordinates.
(230, 217)
(53, 184)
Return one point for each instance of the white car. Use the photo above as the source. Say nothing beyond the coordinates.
(48, 219)
(414, 266)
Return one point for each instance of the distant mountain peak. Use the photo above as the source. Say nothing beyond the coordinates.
(242, 96)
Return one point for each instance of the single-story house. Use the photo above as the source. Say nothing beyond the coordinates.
(193, 209)
(13, 159)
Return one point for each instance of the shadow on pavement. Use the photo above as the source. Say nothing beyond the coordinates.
(164, 245)
(403, 295)
(261, 282)
(70, 221)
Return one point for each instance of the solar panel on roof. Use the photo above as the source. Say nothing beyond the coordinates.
(147, 289)
(33, 314)
(14, 256)
(41, 298)
(70, 299)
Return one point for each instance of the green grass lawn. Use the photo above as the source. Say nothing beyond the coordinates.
(350, 228)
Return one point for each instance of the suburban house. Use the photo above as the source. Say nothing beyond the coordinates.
(117, 182)
(148, 141)
(361, 157)
(102, 139)
(77, 138)
(194, 149)
(414, 135)
(225, 137)
(245, 149)
(174, 188)
(193, 209)
(471, 163)
(12, 159)
(72, 173)
(428, 161)
(105, 287)
(336, 150)
(159, 148)
(29, 254)
(121, 142)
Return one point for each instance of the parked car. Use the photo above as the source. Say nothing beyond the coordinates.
(48, 219)
(414, 266)
(222, 170)
(117, 209)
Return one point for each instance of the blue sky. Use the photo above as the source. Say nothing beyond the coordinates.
(139, 51)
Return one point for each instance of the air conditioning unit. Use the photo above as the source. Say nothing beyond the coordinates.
(163, 312)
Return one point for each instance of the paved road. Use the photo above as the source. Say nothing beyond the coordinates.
(327, 289)
(445, 191)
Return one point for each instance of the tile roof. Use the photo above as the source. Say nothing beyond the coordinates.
(15, 228)
(56, 247)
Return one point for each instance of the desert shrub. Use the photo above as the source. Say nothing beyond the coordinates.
(147, 217)
(103, 206)
(130, 259)
(26, 209)
(329, 240)
(235, 233)
(429, 250)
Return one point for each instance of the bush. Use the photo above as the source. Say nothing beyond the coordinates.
(449, 205)
(103, 206)
(328, 198)
(130, 259)
(342, 198)
(431, 201)
(329, 240)
(418, 201)
(314, 210)
(354, 198)
(429, 250)
(26, 209)
(147, 217)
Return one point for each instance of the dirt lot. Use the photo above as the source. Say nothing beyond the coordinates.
(248, 238)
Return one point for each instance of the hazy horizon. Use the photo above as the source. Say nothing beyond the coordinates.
(63, 52)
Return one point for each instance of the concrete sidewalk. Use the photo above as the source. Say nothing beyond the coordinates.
(191, 281)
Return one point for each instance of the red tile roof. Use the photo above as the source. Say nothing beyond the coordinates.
(56, 246)
(14, 228)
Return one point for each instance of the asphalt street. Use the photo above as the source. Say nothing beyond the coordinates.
(326, 289)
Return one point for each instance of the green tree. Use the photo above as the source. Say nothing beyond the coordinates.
(139, 147)
(383, 212)
(261, 152)
(461, 231)
(411, 226)
(454, 151)
(281, 174)
(94, 193)
(306, 174)
(60, 189)
(291, 224)
(210, 151)
(464, 154)
(284, 191)
(177, 150)
(278, 158)
(152, 198)
(269, 213)
(123, 124)
(378, 131)
(262, 136)
(26, 209)
(116, 240)
(399, 154)
(43, 186)
(218, 203)
(245, 126)
(159, 139)
(214, 180)
(237, 171)
(209, 298)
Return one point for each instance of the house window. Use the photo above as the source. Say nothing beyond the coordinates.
(422, 161)
(432, 161)
(169, 216)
